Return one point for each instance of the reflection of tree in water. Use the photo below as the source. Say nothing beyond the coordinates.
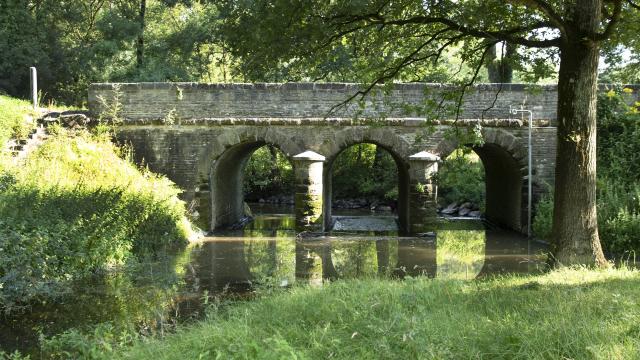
(271, 259)
(221, 264)
(354, 259)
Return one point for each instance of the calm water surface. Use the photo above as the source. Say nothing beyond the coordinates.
(154, 296)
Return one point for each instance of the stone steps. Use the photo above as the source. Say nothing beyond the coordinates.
(21, 148)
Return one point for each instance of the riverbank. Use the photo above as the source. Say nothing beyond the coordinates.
(76, 204)
(569, 313)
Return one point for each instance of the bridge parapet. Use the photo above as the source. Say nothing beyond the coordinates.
(195, 103)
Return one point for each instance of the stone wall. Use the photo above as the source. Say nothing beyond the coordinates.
(144, 102)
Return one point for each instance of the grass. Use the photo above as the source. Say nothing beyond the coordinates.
(565, 314)
(16, 118)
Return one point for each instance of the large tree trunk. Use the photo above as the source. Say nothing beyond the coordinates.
(500, 70)
(140, 40)
(575, 225)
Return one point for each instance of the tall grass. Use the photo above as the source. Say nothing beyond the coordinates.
(75, 206)
(16, 118)
(565, 314)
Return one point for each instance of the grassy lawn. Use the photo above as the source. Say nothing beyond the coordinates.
(565, 314)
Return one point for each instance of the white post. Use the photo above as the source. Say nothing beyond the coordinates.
(34, 87)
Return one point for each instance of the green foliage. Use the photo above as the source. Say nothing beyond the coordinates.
(504, 318)
(74, 43)
(461, 178)
(618, 172)
(74, 207)
(543, 217)
(365, 171)
(88, 345)
(460, 253)
(268, 172)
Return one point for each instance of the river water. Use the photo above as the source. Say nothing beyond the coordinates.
(153, 297)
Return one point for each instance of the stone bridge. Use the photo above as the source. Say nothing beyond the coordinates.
(201, 136)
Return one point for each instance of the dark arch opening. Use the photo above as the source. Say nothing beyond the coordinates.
(227, 183)
(504, 187)
(379, 158)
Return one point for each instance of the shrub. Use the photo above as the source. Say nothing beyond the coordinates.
(618, 197)
(461, 179)
(13, 113)
(543, 218)
(74, 207)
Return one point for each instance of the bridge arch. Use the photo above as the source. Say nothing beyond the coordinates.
(505, 164)
(402, 168)
(226, 161)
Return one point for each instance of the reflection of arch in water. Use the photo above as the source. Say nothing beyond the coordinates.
(226, 179)
(237, 263)
(402, 184)
(221, 264)
(416, 257)
(352, 259)
(505, 165)
(512, 252)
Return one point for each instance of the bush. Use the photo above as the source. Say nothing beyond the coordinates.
(268, 172)
(74, 207)
(365, 171)
(543, 218)
(13, 113)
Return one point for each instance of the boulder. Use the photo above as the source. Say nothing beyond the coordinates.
(450, 209)
(247, 210)
(463, 211)
(475, 213)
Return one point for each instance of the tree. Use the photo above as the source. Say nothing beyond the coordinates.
(383, 41)
(140, 40)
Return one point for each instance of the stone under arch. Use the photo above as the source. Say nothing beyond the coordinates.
(402, 167)
(505, 163)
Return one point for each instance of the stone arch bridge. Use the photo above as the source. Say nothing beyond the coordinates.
(201, 136)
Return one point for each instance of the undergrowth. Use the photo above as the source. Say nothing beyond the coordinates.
(76, 205)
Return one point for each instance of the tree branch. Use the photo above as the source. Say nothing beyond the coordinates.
(390, 72)
(615, 18)
(503, 35)
(546, 9)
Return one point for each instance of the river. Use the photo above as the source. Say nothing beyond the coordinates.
(155, 296)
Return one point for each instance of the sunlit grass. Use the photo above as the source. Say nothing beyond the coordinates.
(17, 118)
(570, 313)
